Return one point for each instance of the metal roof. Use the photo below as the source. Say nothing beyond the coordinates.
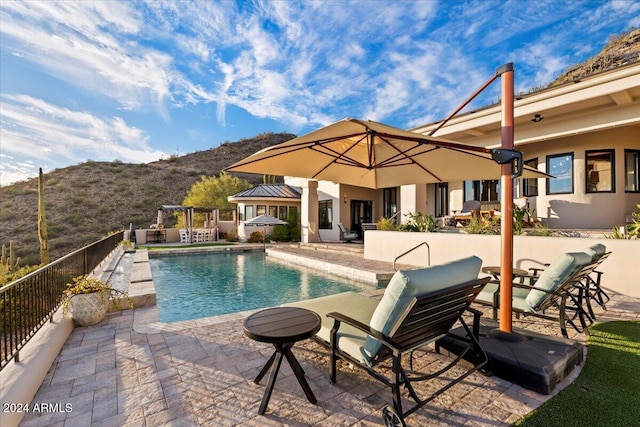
(282, 191)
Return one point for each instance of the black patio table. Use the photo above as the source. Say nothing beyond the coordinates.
(282, 327)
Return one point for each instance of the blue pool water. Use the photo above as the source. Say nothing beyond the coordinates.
(201, 285)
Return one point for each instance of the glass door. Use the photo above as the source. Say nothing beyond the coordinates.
(361, 211)
(442, 199)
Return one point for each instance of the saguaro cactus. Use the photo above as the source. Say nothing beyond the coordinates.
(42, 223)
(10, 263)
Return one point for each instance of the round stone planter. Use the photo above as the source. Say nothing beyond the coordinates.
(89, 309)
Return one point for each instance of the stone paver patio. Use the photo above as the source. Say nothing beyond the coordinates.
(124, 372)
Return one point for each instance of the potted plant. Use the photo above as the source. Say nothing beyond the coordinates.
(87, 299)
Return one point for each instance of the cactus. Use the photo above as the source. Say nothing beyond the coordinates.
(9, 263)
(42, 223)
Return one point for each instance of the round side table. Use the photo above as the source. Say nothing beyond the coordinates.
(282, 327)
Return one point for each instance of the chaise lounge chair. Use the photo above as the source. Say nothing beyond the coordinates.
(559, 286)
(470, 208)
(347, 236)
(418, 307)
(592, 287)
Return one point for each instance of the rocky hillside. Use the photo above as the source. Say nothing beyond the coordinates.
(622, 50)
(86, 201)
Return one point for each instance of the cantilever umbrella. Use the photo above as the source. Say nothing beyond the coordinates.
(369, 154)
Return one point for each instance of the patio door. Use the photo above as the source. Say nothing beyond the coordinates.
(361, 211)
(442, 199)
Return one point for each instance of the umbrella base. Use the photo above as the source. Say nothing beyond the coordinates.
(537, 362)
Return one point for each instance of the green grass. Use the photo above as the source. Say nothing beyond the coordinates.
(607, 392)
(197, 245)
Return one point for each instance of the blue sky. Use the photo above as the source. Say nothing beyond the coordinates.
(142, 80)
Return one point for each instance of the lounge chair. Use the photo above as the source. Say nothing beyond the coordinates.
(592, 288)
(470, 208)
(559, 287)
(347, 236)
(418, 307)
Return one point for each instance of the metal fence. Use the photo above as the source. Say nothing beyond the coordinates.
(27, 303)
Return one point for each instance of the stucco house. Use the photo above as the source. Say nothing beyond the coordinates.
(585, 133)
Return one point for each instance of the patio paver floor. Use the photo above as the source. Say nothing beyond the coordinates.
(201, 373)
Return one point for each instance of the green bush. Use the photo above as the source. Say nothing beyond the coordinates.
(231, 236)
(281, 233)
(483, 225)
(256, 237)
(386, 224)
(419, 222)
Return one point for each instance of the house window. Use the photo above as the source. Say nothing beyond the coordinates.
(487, 190)
(282, 213)
(248, 212)
(389, 202)
(600, 171)
(632, 171)
(261, 210)
(273, 211)
(325, 214)
(530, 185)
(561, 167)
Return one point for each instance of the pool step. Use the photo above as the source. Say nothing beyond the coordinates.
(354, 249)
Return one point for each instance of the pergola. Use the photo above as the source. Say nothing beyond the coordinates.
(211, 217)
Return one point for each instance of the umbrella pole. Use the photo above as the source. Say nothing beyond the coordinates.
(506, 200)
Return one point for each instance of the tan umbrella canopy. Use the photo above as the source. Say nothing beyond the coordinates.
(369, 154)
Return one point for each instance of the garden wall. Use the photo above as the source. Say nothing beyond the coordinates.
(620, 269)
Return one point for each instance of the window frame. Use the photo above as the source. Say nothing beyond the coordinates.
(549, 171)
(612, 158)
(248, 212)
(390, 202)
(636, 168)
(529, 182)
(327, 206)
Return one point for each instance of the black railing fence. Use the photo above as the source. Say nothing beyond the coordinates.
(27, 303)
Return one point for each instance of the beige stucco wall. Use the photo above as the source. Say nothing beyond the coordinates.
(620, 269)
(581, 209)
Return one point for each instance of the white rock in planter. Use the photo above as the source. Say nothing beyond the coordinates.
(89, 309)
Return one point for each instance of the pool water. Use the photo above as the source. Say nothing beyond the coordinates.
(201, 285)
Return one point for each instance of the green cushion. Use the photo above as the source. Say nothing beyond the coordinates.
(356, 306)
(486, 295)
(404, 285)
(596, 251)
(555, 275)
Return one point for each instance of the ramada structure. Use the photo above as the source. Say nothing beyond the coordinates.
(585, 133)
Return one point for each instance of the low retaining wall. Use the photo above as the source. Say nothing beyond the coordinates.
(20, 381)
(620, 269)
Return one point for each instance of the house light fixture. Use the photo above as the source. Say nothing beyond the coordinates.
(537, 118)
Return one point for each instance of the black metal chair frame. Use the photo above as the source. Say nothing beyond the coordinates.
(569, 296)
(592, 288)
(428, 317)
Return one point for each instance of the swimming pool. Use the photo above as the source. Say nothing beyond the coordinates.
(192, 286)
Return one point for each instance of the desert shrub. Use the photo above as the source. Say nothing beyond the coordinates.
(386, 224)
(628, 232)
(483, 225)
(281, 233)
(256, 237)
(419, 222)
(231, 236)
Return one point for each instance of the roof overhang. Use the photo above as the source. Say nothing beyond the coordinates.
(603, 101)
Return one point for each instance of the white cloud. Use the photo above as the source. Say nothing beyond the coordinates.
(54, 135)
(300, 63)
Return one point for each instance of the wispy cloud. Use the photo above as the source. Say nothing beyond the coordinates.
(301, 64)
(58, 136)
